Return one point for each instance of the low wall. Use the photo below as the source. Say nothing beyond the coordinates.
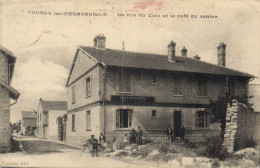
(160, 135)
(200, 135)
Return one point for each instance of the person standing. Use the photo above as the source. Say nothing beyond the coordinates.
(169, 133)
(94, 142)
(182, 133)
(133, 136)
(139, 135)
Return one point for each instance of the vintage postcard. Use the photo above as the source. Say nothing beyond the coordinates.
(132, 83)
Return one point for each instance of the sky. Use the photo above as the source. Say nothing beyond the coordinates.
(45, 45)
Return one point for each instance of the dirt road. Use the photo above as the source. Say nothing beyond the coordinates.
(39, 153)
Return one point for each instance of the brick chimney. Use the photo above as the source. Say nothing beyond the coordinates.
(171, 51)
(100, 41)
(184, 52)
(221, 54)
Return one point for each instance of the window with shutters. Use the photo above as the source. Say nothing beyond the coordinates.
(177, 85)
(88, 120)
(202, 119)
(202, 86)
(124, 82)
(88, 87)
(124, 118)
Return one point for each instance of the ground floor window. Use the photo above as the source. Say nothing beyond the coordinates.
(202, 119)
(73, 122)
(124, 118)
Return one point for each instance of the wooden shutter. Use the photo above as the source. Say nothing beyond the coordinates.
(118, 119)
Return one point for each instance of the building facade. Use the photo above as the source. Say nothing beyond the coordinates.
(47, 118)
(7, 62)
(28, 122)
(113, 91)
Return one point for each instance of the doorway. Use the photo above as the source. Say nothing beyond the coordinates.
(177, 123)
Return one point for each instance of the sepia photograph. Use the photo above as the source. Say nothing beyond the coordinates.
(130, 83)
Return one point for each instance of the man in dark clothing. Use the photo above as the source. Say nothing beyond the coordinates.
(169, 133)
(94, 142)
(182, 132)
(139, 135)
(133, 136)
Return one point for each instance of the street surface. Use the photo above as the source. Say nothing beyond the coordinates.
(41, 153)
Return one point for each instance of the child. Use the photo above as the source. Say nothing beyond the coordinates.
(125, 138)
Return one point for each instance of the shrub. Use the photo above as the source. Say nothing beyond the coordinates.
(214, 148)
(248, 143)
(164, 147)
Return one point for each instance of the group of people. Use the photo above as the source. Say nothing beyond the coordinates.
(135, 136)
(169, 133)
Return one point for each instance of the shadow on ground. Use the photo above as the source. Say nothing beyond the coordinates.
(41, 146)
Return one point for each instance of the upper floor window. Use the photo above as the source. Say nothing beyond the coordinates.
(153, 79)
(124, 82)
(73, 94)
(73, 122)
(124, 118)
(88, 87)
(177, 85)
(201, 119)
(202, 85)
(88, 120)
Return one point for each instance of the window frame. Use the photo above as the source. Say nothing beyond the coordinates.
(205, 119)
(118, 81)
(153, 117)
(73, 122)
(90, 86)
(180, 81)
(88, 121)
(202, 80)
(154, 79)
(129, 123)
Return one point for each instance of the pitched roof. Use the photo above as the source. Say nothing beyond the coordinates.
(14, 94)
(28, 114)
(158, 62)
(54, 105)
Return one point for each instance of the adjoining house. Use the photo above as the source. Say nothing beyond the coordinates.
(28, 122)
(113, 91)
(48, 113)
(7, 63)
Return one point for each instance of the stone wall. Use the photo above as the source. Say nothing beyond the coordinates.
(200, 135)
(240, 126)
(5, 132)
(152, 135)
(246, 122)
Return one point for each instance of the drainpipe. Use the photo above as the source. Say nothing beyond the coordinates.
(104, 94)
(14, 103)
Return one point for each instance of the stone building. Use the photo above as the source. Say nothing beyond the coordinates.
(7, 62)
(254, 90)
(28, 122)
(112, 91)
(48, 113)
